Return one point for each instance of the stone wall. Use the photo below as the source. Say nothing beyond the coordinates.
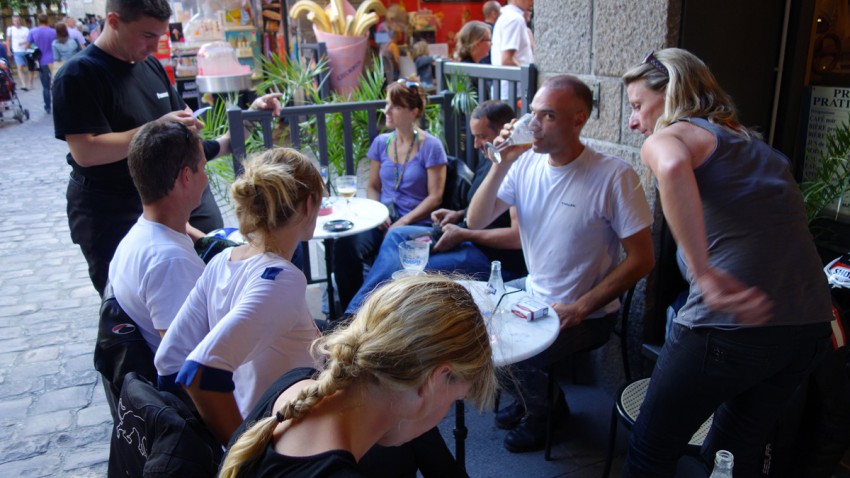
(598, 40)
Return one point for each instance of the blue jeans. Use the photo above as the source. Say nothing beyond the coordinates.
(743, 376)
(44, 75)
(465, 258)
(351, 253)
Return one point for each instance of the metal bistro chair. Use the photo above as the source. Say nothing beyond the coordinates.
(627, 407)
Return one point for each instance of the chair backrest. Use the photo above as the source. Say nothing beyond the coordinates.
(157, 434)
(458, 184)
(322, 115)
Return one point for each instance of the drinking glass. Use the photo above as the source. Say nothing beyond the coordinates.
(521, 134)
(413, 256)
(346, 186)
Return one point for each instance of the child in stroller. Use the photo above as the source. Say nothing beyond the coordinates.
(9, 101)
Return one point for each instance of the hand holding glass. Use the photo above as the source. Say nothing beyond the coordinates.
(520, 134)
(413, 256)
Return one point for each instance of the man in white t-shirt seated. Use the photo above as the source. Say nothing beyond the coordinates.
(576, 208)
(156, 266)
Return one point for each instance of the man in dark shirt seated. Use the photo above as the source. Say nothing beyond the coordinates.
(459, 249)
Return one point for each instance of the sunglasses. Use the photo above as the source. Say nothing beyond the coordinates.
(655, 62)
(409, 84)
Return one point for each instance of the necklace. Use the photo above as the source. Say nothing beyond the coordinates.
(400, 174)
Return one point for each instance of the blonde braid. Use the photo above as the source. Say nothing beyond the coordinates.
(338, 373)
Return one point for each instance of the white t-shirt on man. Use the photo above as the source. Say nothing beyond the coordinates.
(246, 318)
(571, 220)
(152, 272)
(511, 33)
(18, 36)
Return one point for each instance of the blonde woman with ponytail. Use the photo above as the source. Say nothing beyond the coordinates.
(246, 321)
(414, 347)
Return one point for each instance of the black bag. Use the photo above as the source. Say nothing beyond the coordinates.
(120, 347)
(33, 57)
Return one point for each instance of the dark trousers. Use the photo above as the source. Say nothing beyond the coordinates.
(100, 213)
(44, 76)
(530, 377)
(350, 255)
(744, 376)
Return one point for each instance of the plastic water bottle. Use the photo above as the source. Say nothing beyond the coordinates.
(495, 287)
(723, 462)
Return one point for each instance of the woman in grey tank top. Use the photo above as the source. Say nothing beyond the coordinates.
(756, 319)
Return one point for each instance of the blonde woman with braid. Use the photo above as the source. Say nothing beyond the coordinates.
(414, 347)
(246, 321)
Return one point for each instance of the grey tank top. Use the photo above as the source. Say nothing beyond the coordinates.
(757, 231)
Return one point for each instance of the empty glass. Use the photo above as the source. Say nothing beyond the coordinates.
(521, 134)
(413, 256)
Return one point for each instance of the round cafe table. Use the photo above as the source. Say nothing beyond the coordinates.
(365, 214)
(512, 338)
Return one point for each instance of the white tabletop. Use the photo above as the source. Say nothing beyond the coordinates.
(366, 214)
(514, 339)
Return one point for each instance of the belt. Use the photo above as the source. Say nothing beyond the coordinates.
(116, 184)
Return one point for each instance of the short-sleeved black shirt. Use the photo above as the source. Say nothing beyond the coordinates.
(97, 93)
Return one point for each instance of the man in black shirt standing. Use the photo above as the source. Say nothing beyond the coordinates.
(102, 96)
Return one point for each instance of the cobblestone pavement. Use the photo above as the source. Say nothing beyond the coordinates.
(54, 420)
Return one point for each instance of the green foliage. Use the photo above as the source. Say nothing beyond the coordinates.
(370, 88)
(829, 180)
(434, 122)
(220, 172)
(465, 95)
(289, 77)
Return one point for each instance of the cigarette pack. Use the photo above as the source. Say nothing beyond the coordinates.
(530, 309)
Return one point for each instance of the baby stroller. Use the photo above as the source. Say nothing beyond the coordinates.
(9, 101)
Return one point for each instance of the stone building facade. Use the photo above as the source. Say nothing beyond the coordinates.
(597, 41)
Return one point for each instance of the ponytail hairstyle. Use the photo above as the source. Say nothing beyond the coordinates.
(402, 332)
(408, 94)
(270, 191)
(690, 90)
(470, 34)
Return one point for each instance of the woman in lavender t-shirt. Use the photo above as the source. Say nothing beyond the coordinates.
(407, 173)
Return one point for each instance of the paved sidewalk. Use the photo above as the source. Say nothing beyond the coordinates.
(54, 420)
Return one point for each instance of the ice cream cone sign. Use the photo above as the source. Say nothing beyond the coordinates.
(345, 32)
(335, 18)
